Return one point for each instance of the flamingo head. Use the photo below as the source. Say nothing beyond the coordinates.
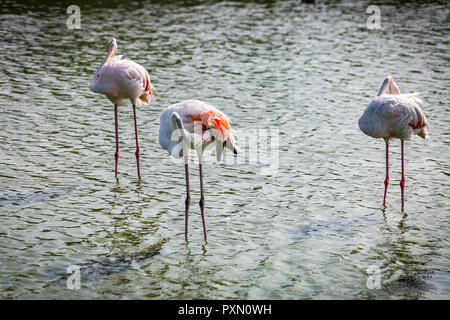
(393, 88)
(111, 47)
(389, 84)
(95, 82)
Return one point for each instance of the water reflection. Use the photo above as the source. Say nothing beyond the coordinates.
(405, 271)
(308, 231)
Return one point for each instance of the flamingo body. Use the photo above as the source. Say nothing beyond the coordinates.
(123, 79)
(195, 125)
(195, 113)
(120, 79)
(394, 116)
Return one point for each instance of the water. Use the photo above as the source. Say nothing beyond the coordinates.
(309, 229)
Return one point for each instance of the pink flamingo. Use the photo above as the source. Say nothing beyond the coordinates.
(121, 79)
(195, 125)
(394, 116)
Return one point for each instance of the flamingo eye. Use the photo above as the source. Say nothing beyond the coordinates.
(98, 75)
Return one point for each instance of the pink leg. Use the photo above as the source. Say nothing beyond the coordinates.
(138, 152)
(188, 197)
(402, 182)
(386, 181)
(202, 201)
(116, 155)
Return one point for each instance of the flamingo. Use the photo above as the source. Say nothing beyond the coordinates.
(394, 116)
(119, 80)
(195, 125)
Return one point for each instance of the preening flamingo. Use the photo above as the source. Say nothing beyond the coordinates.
(394, 116)
(195, 125)
(119, 80)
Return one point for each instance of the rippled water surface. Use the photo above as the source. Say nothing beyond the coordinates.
(311, 225)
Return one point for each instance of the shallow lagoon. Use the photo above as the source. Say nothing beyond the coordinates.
(308, 224)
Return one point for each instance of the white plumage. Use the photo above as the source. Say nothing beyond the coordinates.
(394, 116)
(200, 133)
(120, 80)
(193, 124)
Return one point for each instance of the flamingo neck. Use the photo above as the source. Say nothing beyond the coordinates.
(393, 88)
(111, 52)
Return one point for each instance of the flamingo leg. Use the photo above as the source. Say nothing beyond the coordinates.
(116, 155)
(202, 199)
(402, 181)
(386, 181)
(138, 152)
(188, 196)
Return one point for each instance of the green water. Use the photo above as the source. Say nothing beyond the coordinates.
(308, 227)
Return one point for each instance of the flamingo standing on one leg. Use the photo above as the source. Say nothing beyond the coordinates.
(118, 80)
(394, 116)
(193, 124)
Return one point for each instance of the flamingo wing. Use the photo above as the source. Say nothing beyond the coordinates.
(215, 126)
(137, 75)
(400, 115)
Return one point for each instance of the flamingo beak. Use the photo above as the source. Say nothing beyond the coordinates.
(151, 92)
